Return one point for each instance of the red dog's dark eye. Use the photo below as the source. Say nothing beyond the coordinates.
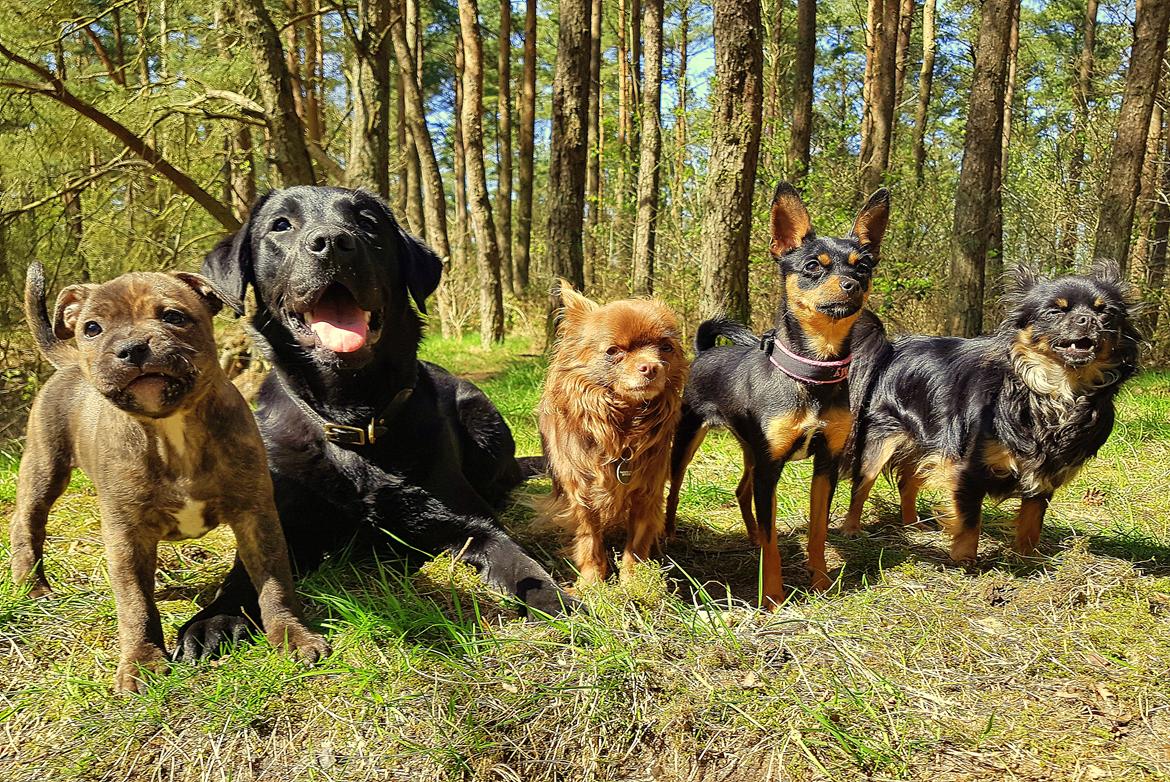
(614, 350)
(667, 347)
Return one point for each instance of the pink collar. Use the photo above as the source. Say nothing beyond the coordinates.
(807, 370)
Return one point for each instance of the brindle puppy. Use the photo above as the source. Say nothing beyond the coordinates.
(141, 405)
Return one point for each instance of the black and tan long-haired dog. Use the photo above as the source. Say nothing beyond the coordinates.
(1013, 413)
(788, 400)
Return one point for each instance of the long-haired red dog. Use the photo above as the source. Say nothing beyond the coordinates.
(610, 406)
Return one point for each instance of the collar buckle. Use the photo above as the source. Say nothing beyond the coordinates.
(340, 434)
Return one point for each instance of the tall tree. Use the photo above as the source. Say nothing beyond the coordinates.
(776, 69)
(800, 149)
(646, 226)
(902, 51)
(975, 195)
(1156, 278)
(459, 159)
(881, 71)
(433, 194)
(736, 111)
(523, 250)
(994, 269)
(593, 132)
(416, 214)
(504, 144)
(1076, 165)
(1148, 196)
(568, 150)
(491, 301)
(369, 149)
(1118, 196)
(285, 133)
(925, 82)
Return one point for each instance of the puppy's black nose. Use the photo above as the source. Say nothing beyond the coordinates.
(326, 242)
(133, 352)
(850, 286)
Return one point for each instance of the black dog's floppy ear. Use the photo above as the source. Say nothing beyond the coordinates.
(421, 268)
(791, 224)
(213, 298)
(229, 264)
(872, 220)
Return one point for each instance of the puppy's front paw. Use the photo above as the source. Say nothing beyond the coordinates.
(211, 636)
(304, 644)
(134, 665)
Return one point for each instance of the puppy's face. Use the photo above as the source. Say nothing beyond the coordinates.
(631, 347)
(145, 339)
(825, 278)
(1079, 323)
(331, 267)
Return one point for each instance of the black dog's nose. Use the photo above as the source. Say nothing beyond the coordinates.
(850, 286)
(329, 241)
(1084, 320)
(134, 353)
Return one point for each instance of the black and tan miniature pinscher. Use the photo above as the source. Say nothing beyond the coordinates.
(786, 396)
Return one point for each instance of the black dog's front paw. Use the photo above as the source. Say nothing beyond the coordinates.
(544, 598)
(209, 637)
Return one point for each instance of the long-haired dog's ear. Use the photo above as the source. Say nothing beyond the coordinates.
(421, 268)
(1023, 279)
(574, 306)
(229, 264)
(1106, 271)
(872, 220)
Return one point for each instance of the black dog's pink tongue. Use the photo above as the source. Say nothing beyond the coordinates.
(338, 321)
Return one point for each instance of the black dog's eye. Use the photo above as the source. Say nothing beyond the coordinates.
(281, 224)
(175, 318)
(92, 328)
(367, 222)
(812, 267)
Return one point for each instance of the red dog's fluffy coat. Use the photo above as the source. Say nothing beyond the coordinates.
(611, 401)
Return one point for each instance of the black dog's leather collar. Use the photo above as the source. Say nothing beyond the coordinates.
(343, 434)
(804, 370)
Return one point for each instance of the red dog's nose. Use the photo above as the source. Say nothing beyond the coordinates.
(649, 370)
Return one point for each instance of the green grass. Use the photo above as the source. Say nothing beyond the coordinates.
(1044, 668)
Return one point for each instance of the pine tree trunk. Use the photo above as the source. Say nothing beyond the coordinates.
(462, 241)
(1156, 277)
(504, 142)
(568, 150)
(646, 226)
(975, 195)
(925, 82)
(434, 195)
(369, 149)
(902, 52)
(1148, 196)
(593, 170)
(773, 104)
(736, 111)
(800, 149)
(1115, 220)
(275, 86)
(678, 187)
(415, 213)
(523, 250)
(876, 158)
(995, 240)
(403, 148)
(1076, 165)
(312, 75)
(487, 252)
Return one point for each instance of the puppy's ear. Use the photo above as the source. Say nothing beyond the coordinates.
(229, 264)
(791, 224)
(421, 268)
(574, 306)
(213, 298)
(872, 220)
(69, 304)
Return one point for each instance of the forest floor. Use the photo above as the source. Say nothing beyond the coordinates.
(1051, 667)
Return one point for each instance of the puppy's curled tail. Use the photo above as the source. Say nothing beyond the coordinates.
(36, 314)
(710, 330)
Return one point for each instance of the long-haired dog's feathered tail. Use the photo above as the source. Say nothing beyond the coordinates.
(710, 330)
(36, 314)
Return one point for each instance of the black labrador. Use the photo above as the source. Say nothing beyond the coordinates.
(365, 442)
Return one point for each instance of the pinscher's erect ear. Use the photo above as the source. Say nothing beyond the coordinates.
(790, 221)
(872, 220)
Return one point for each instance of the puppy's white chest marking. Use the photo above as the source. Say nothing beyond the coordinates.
(190, 520)
(171, 440)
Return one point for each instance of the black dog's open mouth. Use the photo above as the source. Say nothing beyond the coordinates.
(838, 309)
(337, 321)
(1076, 352)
